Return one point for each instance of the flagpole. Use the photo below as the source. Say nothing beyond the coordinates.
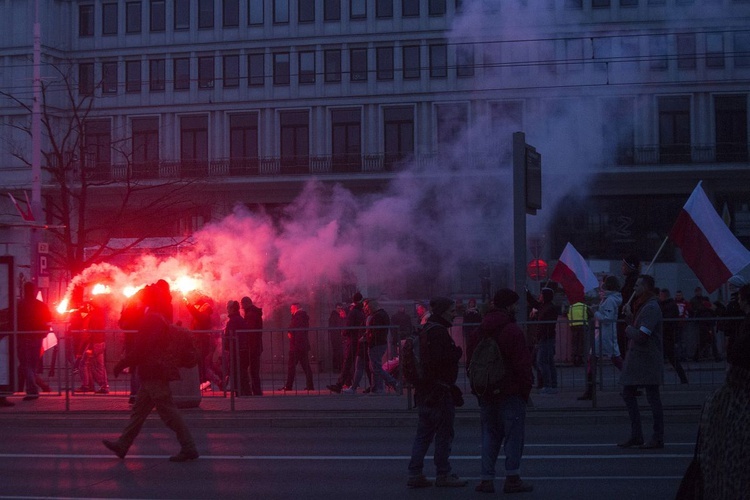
(650, 265)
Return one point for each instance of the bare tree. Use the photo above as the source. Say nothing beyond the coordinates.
(91, 202)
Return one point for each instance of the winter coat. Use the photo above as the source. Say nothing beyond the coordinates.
(607, 314)
(298, 339)
(518, 378)
(377, 336)
(439, 362)
(644, 364)
(254, 321)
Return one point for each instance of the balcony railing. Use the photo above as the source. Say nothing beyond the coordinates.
(687, 153)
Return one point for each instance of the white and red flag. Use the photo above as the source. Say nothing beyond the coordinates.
(707, 244)
(574, 274)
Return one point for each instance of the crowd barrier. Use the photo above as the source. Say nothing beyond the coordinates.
(60, 366)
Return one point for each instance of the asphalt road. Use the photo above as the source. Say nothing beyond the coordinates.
(564, 461)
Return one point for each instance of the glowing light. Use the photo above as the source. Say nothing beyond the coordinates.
(129, 291)
(62, 307)
(100, 289)
(185, 284)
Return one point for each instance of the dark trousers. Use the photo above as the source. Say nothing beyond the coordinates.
(349, 346)
(629, 395)
(254, 358)
(244, 366)
(156, 394)
(301, 358)
(671, 355)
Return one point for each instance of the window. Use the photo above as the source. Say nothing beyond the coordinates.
(731, 128)
(618, 130)
(332, 10)
(574, 4)
(243, 144)
(255, 70)
(686, 51)
(398, 134)
(109, 19)
(436, 7)
(307, 67)
(133, 17)
(357, 9)
(600, 4)
(384, 62)
(715, 50)
(231, 71)
(438, 61)
(465, 60)
(205, 14)
(412, 71)
(254, 12)
(230, 13)
(674, 129)
(109, 78)
(410, 8)
(194, 145)
(86, 78)
(86, 20)
(145, 144)
(182, 73)
(452, 120)
(358, 65)
(384, 8)
(206, 72)
(657, 2)
(181, 15)
(295, 137)
(97, 141)
(505, 117)
(132, 76)
(332, 65)
(156, 75)
(742, 50)
(306, 11)
(281, 11)
(657, 46)
(346, 140)
(628, 3)
(281, 68)
(158, 16)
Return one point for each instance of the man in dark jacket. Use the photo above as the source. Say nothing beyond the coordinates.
(235, 349)
(254, 323)
(671, 314)
(147, 355)
(546, 332)
(377, 343)
(503, 415)
(434, 397)
(299, 347)
(355, 320)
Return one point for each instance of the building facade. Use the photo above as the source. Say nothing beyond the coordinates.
(630, 102)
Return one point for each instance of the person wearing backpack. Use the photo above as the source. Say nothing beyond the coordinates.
(503, 409)
(433, 395)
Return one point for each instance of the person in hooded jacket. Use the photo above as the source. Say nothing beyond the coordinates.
(254, 323)
(355, 319)
(503, 415)
(299, 347)
(235, 349)
(377, 332)
(605, 332)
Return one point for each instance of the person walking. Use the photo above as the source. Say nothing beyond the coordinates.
(671, 315)
(33, 319)
(434, 398)
(377, 343)
(299, 347)
(355, 320)
(236, 351)
(148, 355)
(254, 323)
(503, 415)
(547, 332)
(644, 364)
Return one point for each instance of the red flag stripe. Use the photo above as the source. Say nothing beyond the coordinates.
(569, 281)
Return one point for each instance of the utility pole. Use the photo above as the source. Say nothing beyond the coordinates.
(36, 149)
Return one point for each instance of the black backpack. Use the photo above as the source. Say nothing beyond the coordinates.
(486, 368)
(414, 354)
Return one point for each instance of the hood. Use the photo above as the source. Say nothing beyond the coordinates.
(614, 296)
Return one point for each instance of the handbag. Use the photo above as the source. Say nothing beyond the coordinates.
(691, 486)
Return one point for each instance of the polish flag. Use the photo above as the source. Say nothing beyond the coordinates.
(574, 274)
(707, 244)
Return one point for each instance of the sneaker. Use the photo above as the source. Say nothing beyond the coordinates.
(31, 397)
(418, 482)
(652, 444)
(309, 388)
(334, 388)
(103, 390)
(349, 390)
(515, 485)
(115, 447)
(285, 389)
(485, 487)
(184, 456)
(450, 481)
(630, 443)
(205, 386)
(83, 388)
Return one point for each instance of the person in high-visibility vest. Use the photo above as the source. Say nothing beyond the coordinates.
(578, 318)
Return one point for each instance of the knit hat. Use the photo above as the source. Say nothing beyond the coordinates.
(548, 294)
(505, 297)
(439, 305)
(357, 298)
